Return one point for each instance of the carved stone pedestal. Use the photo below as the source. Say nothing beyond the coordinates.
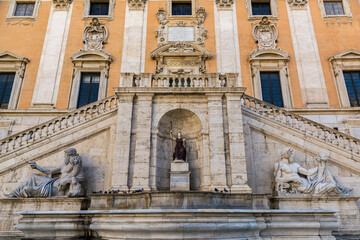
(179, 176)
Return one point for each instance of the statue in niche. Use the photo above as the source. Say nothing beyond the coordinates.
(180, 150)
(70, 183)
(291, 178)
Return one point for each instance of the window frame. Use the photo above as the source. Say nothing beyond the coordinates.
(348, 60)
(91, 62)
(271, 60)
(261, 81)
(81, 78)
(12, 9)
(13, 63)
(346, 7)
(357, 92)
(13, 81)
(273, 8)
(87, 5)
(194, 6)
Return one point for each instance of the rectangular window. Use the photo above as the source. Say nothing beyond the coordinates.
(334, 8)
(6, 85)
(271, 88)
(24, 9)
(181, 8)
(89, 88)
(352, 82)
(261, 8)
(99, 8)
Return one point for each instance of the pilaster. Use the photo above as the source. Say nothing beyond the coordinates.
(142, 154)
(236, 144)
(120, 161)
(216, 141)
(311, 76)
(52, 56)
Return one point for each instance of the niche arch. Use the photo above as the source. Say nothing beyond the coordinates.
(191, 128)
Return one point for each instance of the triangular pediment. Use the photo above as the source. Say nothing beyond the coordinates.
(181, 49)
(347, 54)
(7, 56)
(268, 54)
(91, 56)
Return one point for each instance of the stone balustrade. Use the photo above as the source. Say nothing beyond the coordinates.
(56, 125)
(304, 125)
(178, 81)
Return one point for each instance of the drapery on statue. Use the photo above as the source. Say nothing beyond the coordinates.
(180, 150)
(291, 178)
(69, 183)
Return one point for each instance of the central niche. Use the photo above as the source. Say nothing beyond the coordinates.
(190, 126)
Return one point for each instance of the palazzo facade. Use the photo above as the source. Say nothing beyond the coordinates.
(266, 94)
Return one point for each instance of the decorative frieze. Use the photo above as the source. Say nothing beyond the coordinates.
(95, 36)
(224, 3)
(265, 34)
(62, 5)
(298, 4)
(136, 4)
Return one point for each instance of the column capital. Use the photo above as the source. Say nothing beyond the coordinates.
(298, 4)
(62, 5)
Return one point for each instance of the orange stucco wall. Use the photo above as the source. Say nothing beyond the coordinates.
(25, 39)
(247, 44)
(113, 46)
(334, 38)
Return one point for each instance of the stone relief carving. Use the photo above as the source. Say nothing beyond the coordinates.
(62, 4)
(297, 3)
(162, 31)
(95, 36)
(291, 178)
(224, 3)
(265, 34)
(136, 4)
(70, 183)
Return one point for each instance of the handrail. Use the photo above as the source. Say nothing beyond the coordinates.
(55, 125)
(302, 124)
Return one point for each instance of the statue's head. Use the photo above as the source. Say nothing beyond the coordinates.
(75, 160)
(68, 153)
(179, 133)
(287, 153)
(321, 157)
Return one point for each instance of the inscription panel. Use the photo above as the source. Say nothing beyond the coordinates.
(181, 34)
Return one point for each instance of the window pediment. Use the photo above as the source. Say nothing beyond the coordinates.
(181, 49)
(91, 56)
(269, 54)
(7, 56)
(347, 54)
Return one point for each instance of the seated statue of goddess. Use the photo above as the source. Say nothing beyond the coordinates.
(291, 178)
(39, 186)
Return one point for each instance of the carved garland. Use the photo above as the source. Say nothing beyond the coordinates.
(224, 3)
(136, 4)
(62, 4)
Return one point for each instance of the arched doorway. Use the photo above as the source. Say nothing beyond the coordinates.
(191, 127)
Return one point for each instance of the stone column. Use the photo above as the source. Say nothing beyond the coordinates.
(216, 142)
(121, 157)
(52, 56)
(141, 164)
(311, 76)
(227, 41)
(236, 144)
(133, 54)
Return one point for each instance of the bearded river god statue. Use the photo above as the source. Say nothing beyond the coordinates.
(70, 183)
(291, 178)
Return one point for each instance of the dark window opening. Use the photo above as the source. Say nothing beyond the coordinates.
(261, 8)
(99, 8)
(24, 9)
(89, 89)
(181, 8)
(271, 88)
(334, 8)
(352, 82)
(6, 85)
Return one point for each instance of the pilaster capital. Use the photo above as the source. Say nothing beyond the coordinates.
(137, 4)
(224, 4)
(298, 4)
(62, 5)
